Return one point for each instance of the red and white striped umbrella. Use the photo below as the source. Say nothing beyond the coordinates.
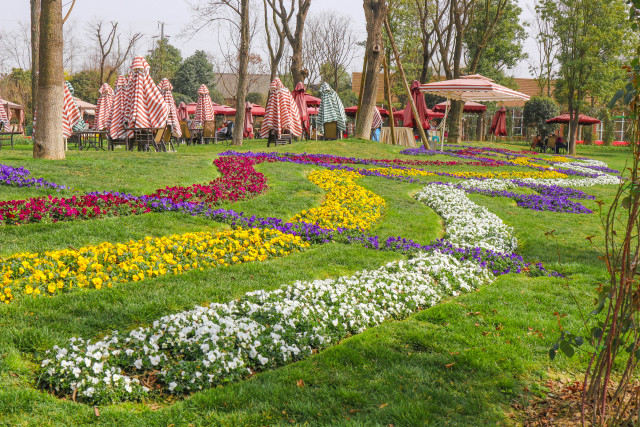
(166, 89)
(4, 119)
(146, 107)
(282, 112)
(104, 107)
(70, 113)
(118, 109)
(204, 110)
(377, 119)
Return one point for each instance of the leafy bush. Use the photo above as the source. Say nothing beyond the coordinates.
(537, 111)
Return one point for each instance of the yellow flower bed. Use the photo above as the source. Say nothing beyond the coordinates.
(104, 265)
(347, 205)
(466, 175)
(560, 159)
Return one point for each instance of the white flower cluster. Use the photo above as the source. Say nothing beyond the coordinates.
(468, 224)
(210, 345)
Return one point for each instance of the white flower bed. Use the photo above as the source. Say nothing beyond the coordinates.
(205, 346)
(468, 224)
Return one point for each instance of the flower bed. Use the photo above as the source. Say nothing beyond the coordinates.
(347, 205)
(54, 209)
(107, 264)
(239, 181)
(212, 345)
(468, 224)
(21, 177)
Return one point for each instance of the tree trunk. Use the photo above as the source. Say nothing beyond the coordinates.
(375, 12)
(454, 124)
(424, 73)
(297, 65)
(241, 93)
(49, 140)
(35, 43)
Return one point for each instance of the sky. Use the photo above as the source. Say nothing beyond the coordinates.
(145, 15)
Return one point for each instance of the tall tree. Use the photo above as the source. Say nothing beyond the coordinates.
(194, 71)
(48, 142)
(589, 34)
(295, 37)
(164, 60)
(375, 12)
(236, 13)
(35, 40)
(113, 51)
(275, 33)
(241, 92)
(452, 21)
(547, 47)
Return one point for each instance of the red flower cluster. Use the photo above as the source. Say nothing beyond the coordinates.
(56, 209)
(239, 180)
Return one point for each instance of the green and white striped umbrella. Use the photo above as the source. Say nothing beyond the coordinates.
(331, 109)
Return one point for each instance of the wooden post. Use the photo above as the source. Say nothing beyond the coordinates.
(387, 83)
(364, 71)
(416, 117)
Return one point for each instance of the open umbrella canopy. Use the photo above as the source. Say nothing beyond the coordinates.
(472, 88)
(311, 100)
(282, 111)
(421, 108)
(499, 123)
(146, 107)
(104, 107)
(582, 120)
(299, 97)
(223, 110)
(469, 107)
(351, 111)
(257, 110)
(430, 114)
(313, 111)
(166, 88)
(204, 111)
(247, 131)
(331, 109)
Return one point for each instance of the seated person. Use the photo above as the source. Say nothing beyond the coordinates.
(222, 132)
(537, 143)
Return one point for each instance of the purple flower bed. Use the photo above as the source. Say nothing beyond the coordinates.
(21, 177)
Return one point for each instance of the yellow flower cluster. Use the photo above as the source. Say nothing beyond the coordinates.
(526, 162)
(560, 159)
(466, 175)
(107, 264)
(347, 205)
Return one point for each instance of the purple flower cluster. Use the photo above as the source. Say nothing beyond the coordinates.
(21, 177)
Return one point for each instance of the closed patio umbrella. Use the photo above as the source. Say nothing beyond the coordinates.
(166, 89)
(146, 106)
(204, 110)
(299, 97)
(71, 106)
(70, 113)
(105, 106)
(421, 108)
(183, 112)
(281, 112)
(118, 109)
(4, 119)
(331, 109)
(377, 119)
(248, 121)
(499, 123)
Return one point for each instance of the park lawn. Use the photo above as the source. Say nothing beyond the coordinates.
(462, 362)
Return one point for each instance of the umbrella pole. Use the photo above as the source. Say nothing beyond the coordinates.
(444, 123)
(416, 117)
(387, 83)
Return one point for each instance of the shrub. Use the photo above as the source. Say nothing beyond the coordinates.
(537, 111)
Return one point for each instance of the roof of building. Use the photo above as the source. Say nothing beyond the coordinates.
(226, 84)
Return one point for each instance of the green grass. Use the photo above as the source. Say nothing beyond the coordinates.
(462, 362)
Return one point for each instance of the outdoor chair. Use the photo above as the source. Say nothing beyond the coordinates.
(208, 132)
(186, 133)
(285, 138)
(112, 143)
(331, 130)
(167, 138)
(561, 146)
(536, 144)
(144, 139)
(551, 144)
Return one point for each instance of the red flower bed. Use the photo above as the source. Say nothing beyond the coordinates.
(56, 209)
(239, 180)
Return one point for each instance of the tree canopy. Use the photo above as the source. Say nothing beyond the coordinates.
(164, 60)
(193, 72)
